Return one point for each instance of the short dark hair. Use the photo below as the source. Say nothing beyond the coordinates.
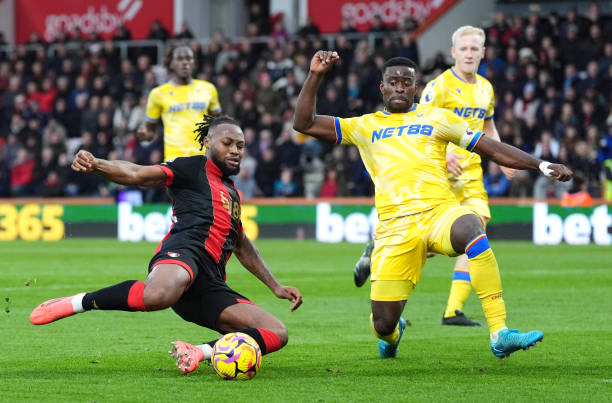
(398, 61)
(208, 123)
(170, 53)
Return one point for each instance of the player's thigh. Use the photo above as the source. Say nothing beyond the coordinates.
(398, 258)
(472, 194)
(479, 206)
(244, 315)
(439, 235)
(165, 284)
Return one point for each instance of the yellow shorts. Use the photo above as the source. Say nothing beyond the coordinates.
(473, 195)
(401, 245)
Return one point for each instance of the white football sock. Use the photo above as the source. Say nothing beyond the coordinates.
(77, 302)
(206, 349)
(494, 336)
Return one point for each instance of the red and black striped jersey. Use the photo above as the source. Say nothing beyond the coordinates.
(205, 205)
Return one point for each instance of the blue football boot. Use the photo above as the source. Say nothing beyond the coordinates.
(511, 340)
(387, 350)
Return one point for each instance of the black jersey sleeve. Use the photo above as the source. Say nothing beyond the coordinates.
(181, 172)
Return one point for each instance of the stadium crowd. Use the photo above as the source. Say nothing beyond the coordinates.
(552, 76)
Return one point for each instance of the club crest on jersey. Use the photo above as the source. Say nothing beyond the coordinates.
(174, 254)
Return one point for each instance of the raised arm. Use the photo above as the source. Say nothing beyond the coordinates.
(306, 120)
(250, 258)
(121, 172)
(512, 157)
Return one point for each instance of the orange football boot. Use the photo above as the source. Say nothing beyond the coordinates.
(52, 310)
(187, 356)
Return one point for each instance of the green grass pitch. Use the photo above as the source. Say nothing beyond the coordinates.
(332, 355)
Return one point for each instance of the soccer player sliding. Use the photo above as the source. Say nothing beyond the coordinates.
(404, 150)
(187, 271)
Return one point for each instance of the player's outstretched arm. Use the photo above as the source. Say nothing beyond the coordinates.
(249, 256)
(121, 172)
(512, 157)
(306, 120)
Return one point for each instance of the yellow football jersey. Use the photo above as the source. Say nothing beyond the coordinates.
(405, 154)
(180, 107)
(473, 102)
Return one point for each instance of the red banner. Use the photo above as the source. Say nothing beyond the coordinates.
(102, 16)
(328, 14)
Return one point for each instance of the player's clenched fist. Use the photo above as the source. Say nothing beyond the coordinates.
(84, 161)
(561, 172)
(323, 60)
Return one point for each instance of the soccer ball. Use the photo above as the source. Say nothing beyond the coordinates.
(236, 356)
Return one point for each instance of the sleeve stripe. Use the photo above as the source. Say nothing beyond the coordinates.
(475, 140)
(490, 117)
(338, 130)
(152, 119)
(169, 174)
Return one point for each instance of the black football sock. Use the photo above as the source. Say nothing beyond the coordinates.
(126, 296)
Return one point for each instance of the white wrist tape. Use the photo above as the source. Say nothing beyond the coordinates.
(544, 167)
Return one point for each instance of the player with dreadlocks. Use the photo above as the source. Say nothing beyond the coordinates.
(187, 271)
(179, 103)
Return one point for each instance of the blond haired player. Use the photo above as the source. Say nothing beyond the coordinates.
(470, 96)
(460, 90)
(404, 150)
(179, 104)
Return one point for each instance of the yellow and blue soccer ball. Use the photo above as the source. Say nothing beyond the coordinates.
(236, 356)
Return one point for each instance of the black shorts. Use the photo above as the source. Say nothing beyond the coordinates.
(208, 295)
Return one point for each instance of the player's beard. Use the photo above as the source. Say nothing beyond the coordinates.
(225, 169)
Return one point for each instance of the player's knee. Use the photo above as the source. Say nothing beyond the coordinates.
(384, 326)
(463, 230)
(282, 333)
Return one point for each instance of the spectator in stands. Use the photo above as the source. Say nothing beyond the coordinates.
(312, 173)
(285, 185)
(267, 172)
(185, 32)
(158, 31)
(527, 106)
(309, 29)
(266, 98)
(408, 47)
(330, 184)
(287, 150)
(23, 174)
(360, 183)
(586, 167)
(495, 182)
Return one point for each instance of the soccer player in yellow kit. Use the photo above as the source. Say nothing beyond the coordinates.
(180, 104)
(462, 91)
(404, 151)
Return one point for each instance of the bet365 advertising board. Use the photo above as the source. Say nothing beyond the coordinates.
(542, 223)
